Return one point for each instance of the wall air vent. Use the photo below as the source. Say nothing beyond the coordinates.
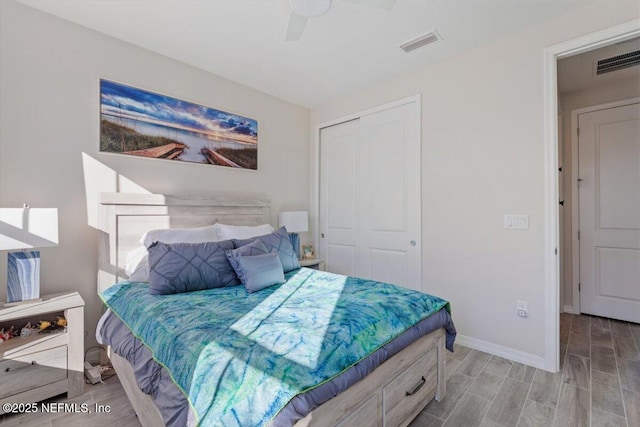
(423, 40)
(618, 62)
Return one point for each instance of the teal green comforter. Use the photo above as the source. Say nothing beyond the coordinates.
(240, 358)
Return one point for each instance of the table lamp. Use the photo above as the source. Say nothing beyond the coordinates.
(295, 222)
(26, 228)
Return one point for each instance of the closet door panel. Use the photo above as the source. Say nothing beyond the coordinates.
(391, 197)
(338, 216)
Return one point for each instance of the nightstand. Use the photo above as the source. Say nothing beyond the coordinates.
(316, 264)
(40, 366)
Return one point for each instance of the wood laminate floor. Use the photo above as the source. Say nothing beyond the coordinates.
(110, 393)
(599, 386)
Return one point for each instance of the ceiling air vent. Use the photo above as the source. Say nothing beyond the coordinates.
(618, 62)
(423, 40)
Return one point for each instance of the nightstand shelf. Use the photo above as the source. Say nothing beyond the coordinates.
(40, 366)
(316, 264)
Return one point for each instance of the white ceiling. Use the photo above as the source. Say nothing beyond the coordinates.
(579, 72)
(347, 49)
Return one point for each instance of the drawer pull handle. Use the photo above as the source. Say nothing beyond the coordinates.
(33, 362)
(417, 388)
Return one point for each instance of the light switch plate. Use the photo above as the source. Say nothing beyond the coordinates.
(516, 222)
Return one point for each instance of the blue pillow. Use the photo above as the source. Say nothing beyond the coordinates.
(254, 248)
(187, 267)
(278, 240)
(262, 271)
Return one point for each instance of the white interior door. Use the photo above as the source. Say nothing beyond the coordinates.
(609, 192)
(391, 197)
(370, 205)
(338, 209)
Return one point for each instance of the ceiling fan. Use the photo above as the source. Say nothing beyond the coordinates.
(302, 10)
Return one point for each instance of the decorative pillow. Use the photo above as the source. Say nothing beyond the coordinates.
(227, 232)
(180, 235)
(278, 240)
(262, 271)
(137, 265)
(187, 267)
(254, 248)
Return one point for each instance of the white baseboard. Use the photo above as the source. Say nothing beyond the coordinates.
(499, 350)
(567, 309)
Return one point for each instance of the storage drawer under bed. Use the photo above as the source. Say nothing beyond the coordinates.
(407, 393)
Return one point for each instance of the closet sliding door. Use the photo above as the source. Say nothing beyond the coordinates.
(370, 206)
(339, 209)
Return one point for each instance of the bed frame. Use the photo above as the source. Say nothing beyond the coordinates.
(392, 395)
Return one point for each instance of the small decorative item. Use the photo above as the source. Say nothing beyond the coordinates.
(307, 252)
(52, 326)
(61, 321)
(294, 222)
(25, 228)
(29, 330)
(6, 335)
(43, 324)
(147, 124)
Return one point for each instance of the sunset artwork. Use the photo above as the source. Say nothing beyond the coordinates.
(142, 123)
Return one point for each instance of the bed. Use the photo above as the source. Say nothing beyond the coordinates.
(389, 385)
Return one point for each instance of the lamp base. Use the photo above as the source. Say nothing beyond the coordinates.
(23, 276)
(295, 242)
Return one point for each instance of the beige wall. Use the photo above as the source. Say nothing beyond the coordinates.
(49, 71)
(483, 157)
(610, 92)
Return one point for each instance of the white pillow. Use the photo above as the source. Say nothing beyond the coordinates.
(137, 264)
(227, 232)
(180, 235)
(134, 258)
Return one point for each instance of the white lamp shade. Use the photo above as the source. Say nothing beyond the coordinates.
(22, 228)
(294, 221)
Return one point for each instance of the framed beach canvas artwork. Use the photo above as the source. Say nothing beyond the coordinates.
(137, 122)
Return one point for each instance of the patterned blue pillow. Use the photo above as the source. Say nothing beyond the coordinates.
(187, 267)
(278, 240)
(262, 271)
(254, 248)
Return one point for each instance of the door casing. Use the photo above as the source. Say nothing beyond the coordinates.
(551, 55)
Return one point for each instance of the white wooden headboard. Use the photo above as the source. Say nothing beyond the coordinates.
(124, 217)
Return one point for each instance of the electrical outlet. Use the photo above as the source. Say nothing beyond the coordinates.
(522, 308)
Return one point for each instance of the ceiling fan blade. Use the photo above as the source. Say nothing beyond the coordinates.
(378, 4)
(295, 27)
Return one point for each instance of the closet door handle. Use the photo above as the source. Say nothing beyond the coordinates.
(412, 243)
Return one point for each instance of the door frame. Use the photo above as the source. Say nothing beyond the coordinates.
(315, 162)
(575, 196)
(551, 55)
